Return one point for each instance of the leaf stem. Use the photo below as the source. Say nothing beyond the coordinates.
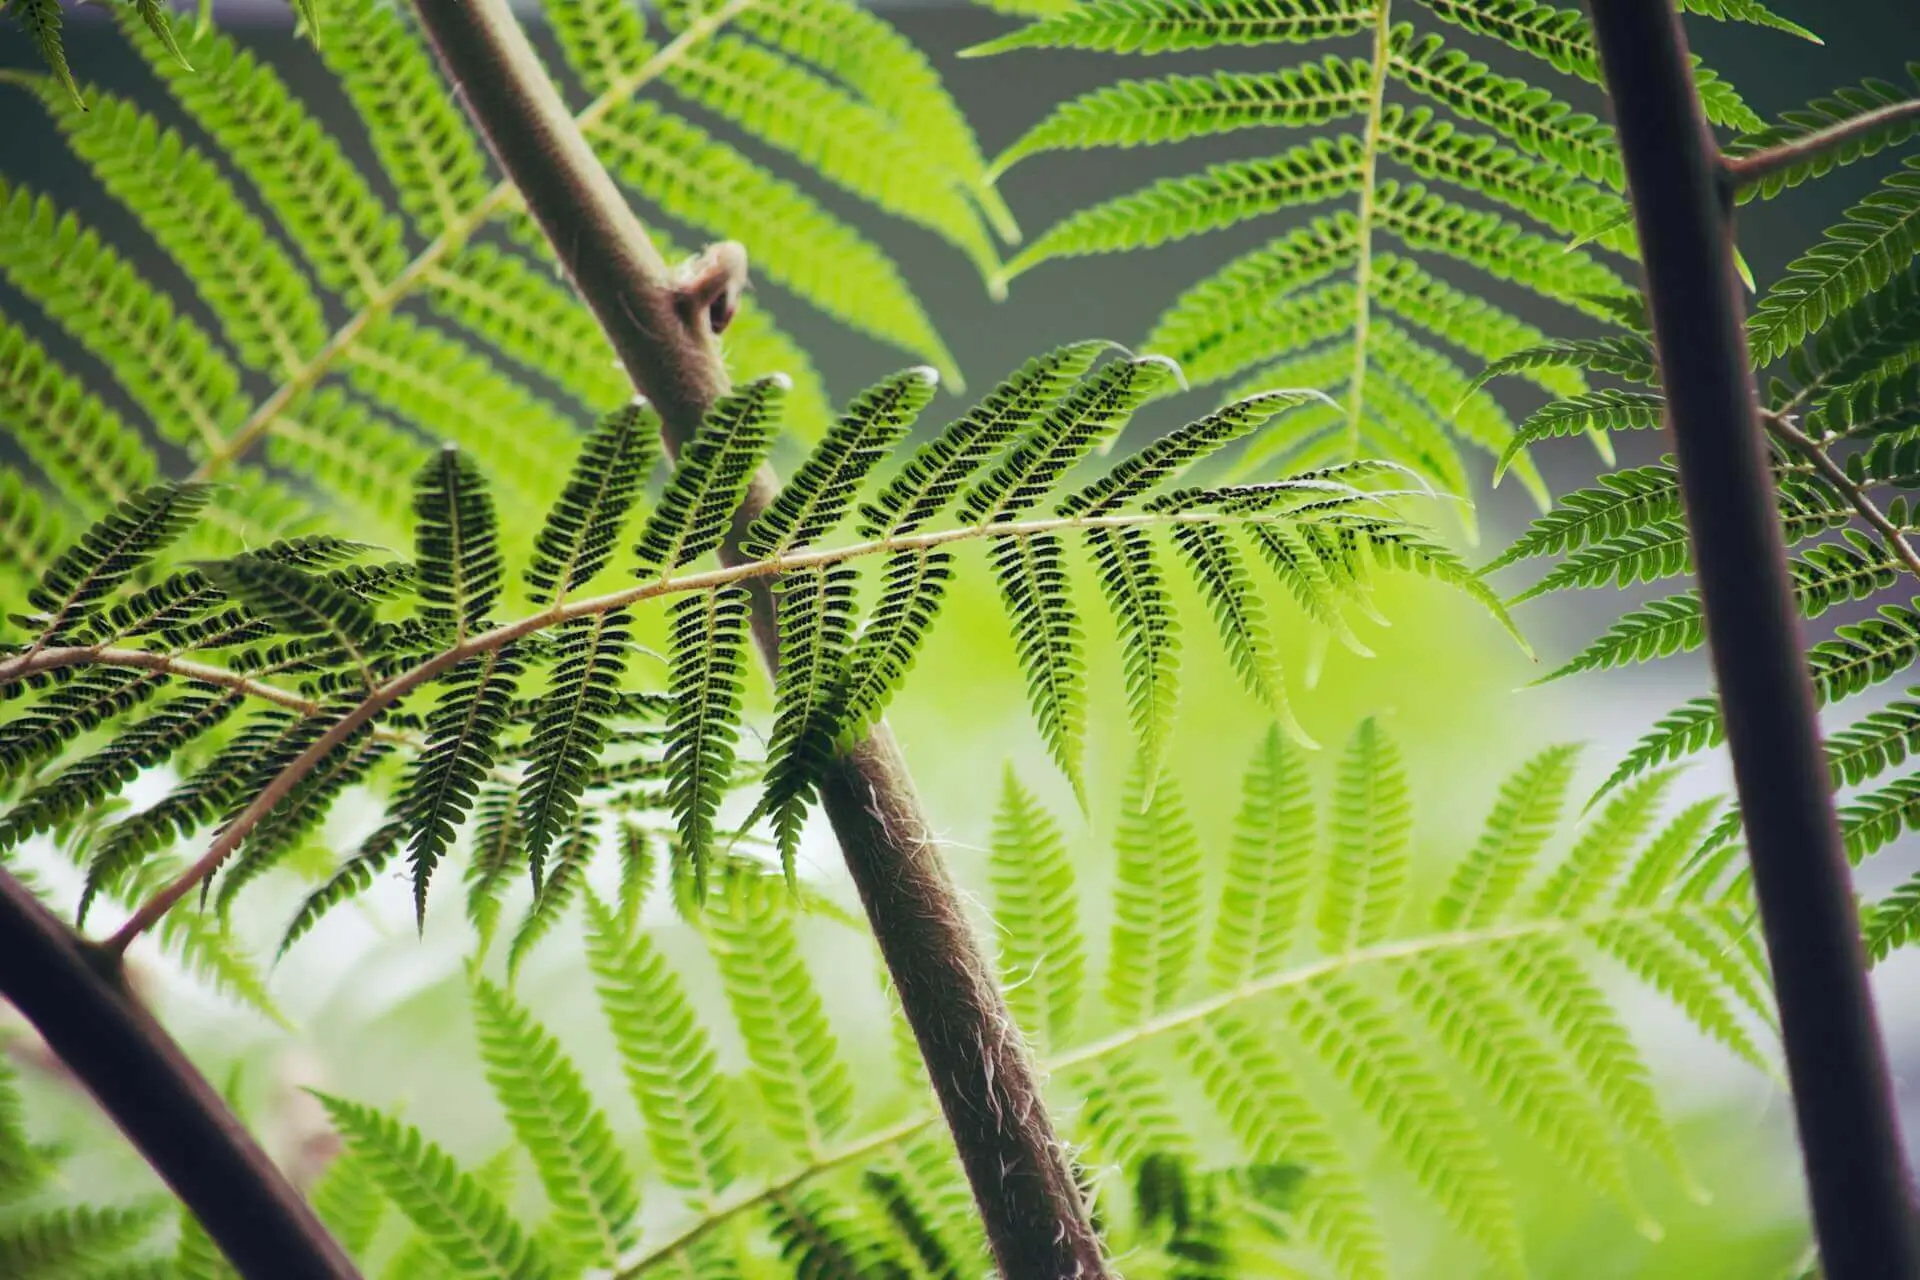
(1363, 264)
(1757, 166)
(1835, 475)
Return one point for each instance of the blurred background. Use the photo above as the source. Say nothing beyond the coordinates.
(381, 1015)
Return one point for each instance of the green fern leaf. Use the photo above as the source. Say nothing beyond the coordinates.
(1879, 741)
(666, 1055)
(1358, 1040)
(1894, 921)
(1368, 867)
(710, 478)
(70, 1241)
(822, 491)
(570, 726)
(1876, 238)
(72, 708)
(349, 1202)
(816, 613)
(584, 524)
(83, 448)
(568, 1139)
(1404, 288)
(118, 545)
(520, 308)
(469, 1226)
(554, 894)
(1223, 195)
(1629, 357)
(1875, 819)
(1646, 948)
(456, 544)
(1043, 959)
(933, 475)
(1047, 637)
(1620, 502)
(1165, 458)
(1523, 819)
(1137, 596)
(1590, 867)
(354, 877)
(708, 659)
(795, 1058)
(300, 604)
(1269, 867)
(1856, 342)
(1746, 11)
(494, 858)
(1607, 410)
(1146, 112)
(1646, 554)
(195, 1256)
(1166, 26)
(1846, 104)
(1158, 878)
(290, 822)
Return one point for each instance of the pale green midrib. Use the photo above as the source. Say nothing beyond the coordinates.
(1363, 267)
(383, 297)
(1172, 1021)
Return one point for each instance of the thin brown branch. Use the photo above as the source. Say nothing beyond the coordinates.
(1757, 166)
(1856, 494)
(34, 661)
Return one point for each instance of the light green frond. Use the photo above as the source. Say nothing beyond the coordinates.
(568, 1139)
(1146, 112)
(1523, 819)
(666, 1055)
(1143, 615)
(529, 315)
(693, 177)
(361, 459)
(1404, 288)
(1604, 410)
(1746, 11)
(41, 18)
(168, 364)
(554, 893)
(31, 534)
(1877, 742)
(349, 1202)
(1167, 26)
(1463, 1004)
(1261, 1099)
(263, 302)
(1448, 396)
(1647, 950)
(1129, 1116)
(418, 130)
(1529, 117)
(1237, 295)
(708, 661)
(1223, 195)
(1619, 503)
(468, 1225)
(1894, 921)
(1357, 1038)
(70, 1241)
(351, 240)
(1847, 103)
(796, 1062)
(492, 859)
(1042, 951)
(1588, 871)
(600, 39)
(1157, 903)
(1858, 255)
(1428, 222)
(833, 133)
(1270, 863)
(1285, 325)
(1369, 848)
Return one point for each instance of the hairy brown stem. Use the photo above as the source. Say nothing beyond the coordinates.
(1022, 1180)
(1682, 194)
(76, 997)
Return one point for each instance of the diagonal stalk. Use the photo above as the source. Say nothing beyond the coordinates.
(1022, 1180)
(1682, 193)
(1363, 264)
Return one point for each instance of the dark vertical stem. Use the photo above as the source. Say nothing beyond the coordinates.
(74, 995)
(1857, 1180)
(1022, 1180)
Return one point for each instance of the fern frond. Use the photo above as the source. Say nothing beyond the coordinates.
(518, 307)
(1223, 195)
(585, 523)
(709, 478)
(1368, 855)
(1166, 26)
(932, 477)
(665, 1054)
(1042, 947)
(1523, 819)
(1404, 288)
(1746, 11)
(1136, 594)
(1877, 742)
(1651, 954)
(1158, 876)
(116, 547)
(1823, 113)
(709, 636)
(352, 879)
(1619, 503)
(1147, 112)
(568, 1139)
(816, 612)
(1047, 637)
(300, 604)
(349, 1203)
(570, 726)
(1590, 867)
(554, 894)
(823, 489)
(913, 586)
(295, 818)
(493, 859)
(76, 1240)
(1238, 615)
(1629, 357)
(1856, 256)
(1894, 921)
(795, 1057)
(467, 1224)
(1269, 867)
(456, 544)
(1608, 410)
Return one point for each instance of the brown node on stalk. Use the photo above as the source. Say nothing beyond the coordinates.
(711, 284)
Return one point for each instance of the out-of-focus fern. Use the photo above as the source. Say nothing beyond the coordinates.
(1493, 979)
(1835, 345)
(1344, 302)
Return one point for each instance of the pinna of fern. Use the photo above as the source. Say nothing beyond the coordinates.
(344, 328)
(335, 676)
(1473, 169)
(1284, 965)
(1834, 341)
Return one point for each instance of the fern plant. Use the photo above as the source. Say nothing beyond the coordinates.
(1441, 164)
(1834, 342)
(1270, 977)
(345, 331)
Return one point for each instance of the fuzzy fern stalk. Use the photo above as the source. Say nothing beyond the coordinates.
(1682, 192)
(663, 331)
